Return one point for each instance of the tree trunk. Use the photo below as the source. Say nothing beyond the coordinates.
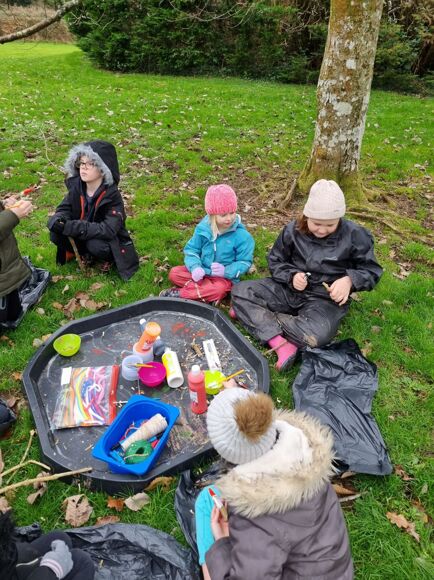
(67, 7)
(343, 95)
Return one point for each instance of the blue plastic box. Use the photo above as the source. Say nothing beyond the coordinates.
(138, 408)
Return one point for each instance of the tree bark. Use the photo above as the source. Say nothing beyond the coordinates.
(343, 95)
(67, 7)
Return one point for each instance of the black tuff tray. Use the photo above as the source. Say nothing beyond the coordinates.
(106, 339)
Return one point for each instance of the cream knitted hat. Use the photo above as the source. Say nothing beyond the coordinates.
(240, 425)
(326, 201)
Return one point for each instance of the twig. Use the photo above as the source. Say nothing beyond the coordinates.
(23, 458)
(3, 490)
(349, 497)
(270, 350)
(22, 465)
(77, 254)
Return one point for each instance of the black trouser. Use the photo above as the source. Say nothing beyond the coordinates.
(83, 568)
(267, 308)
(98, 249)
(10, 306)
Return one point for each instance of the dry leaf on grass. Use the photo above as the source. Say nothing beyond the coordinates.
(399, 471)
(41, 487)
(347, 474)
(420, 508)
(57, 305)
(78, 510)
(115, 503)
(166, 482)
(136, 502)
(17, 376)
(93, 288)
(341, 490)
(4, 505)
(5, 338)
(107, 520)
(400, 521)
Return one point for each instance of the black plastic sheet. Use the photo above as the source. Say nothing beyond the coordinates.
(336, 384)
(29, 292)
(189, 487)
(135, 552)
(7, 417)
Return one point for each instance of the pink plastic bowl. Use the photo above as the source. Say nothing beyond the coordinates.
(154, 375)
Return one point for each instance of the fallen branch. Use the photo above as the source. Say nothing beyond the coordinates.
(12, 469)
(3, 490)
(67, 7)
(23, 458)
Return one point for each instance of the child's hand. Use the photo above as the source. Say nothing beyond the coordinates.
(340, 290)
(217, 269)
(12, 200)
(219, 528)
(230, 384)
(299, 281)
(21, 209)
(198, 274)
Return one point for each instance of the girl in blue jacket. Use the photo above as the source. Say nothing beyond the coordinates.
(220, 251)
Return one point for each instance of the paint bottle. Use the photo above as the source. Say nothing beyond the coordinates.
(174, 375)
(143, 347)
(196, 386)
(149, 336)
(146, 355)
(159, 347)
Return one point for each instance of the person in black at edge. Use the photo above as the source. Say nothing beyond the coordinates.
(49, 557)
(92, 213)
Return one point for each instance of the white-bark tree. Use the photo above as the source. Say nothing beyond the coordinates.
(343, 95)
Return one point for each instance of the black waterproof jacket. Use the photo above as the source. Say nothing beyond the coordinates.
(349, 251)
(107, 221)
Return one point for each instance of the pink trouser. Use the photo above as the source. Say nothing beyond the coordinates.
(209, 289)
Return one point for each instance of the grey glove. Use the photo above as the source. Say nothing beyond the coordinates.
(59, 560)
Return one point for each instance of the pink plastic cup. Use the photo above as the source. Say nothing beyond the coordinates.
(153, 375)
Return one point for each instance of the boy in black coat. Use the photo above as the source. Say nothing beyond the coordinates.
(93, 213)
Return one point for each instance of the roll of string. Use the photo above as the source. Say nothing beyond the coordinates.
(156, 424)
(138, 451)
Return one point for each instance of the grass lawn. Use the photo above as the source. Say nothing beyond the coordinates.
(175, 136)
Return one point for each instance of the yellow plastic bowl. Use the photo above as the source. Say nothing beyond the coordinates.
(67, 344)
(212, 386)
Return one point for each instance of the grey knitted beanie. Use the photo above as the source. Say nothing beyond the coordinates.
(240, 425)
(326, 201)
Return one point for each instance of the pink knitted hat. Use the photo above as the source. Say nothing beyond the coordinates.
(220, 199)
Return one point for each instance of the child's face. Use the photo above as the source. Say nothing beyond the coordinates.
(224, 221)
(88, 170)
(322, 228)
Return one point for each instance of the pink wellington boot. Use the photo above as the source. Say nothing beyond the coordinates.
(285, 350)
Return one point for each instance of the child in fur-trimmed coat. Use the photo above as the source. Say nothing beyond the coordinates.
(92, 214)
(284, 520)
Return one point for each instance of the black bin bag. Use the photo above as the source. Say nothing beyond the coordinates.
(336, 384)
(135, 552)
(29, 292)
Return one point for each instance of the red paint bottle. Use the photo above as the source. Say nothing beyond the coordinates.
(196, 386)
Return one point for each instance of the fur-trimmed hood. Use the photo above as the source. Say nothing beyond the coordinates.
(102, 153)
(280, 479)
